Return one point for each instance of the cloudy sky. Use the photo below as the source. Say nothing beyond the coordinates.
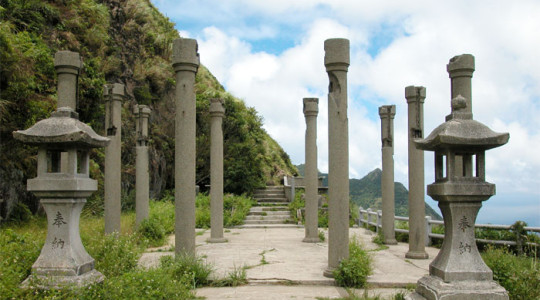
(270, 54)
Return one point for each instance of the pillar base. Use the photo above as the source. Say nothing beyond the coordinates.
(311, 240)
(391, 242)
(217, 240)
(417, 255)
(58, 282)
(431, 288)
(329, 272)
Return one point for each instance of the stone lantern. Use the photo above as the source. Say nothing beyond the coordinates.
(458, 271)
(63, 184)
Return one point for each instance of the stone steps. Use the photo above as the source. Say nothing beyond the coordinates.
(271, 211)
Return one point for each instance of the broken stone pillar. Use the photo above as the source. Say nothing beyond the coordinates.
(311, 181)
(185, 63)
(336, 60)
(142, 177)
(114, 94)
(415, 96)
(63, 189)
(217, 111)
(458, 271)
(387, 113)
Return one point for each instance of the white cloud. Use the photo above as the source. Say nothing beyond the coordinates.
(413, 42)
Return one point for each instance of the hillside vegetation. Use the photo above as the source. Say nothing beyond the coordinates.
(122, 41)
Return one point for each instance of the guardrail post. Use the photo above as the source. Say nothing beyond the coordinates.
(368, 212)
(379, 224)
(428, 230)
(360, 216)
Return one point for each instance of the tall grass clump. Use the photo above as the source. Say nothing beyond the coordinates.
(354, 270)
(187, 267)
(519, 275)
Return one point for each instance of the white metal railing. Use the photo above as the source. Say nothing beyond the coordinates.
(374, 218)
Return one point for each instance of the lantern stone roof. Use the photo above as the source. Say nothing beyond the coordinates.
(62, 129)
(458, 132)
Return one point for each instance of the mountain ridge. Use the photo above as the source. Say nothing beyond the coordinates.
(366, 193)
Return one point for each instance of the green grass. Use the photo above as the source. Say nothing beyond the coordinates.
(116, 256)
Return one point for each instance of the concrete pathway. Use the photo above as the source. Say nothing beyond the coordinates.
(280, 266)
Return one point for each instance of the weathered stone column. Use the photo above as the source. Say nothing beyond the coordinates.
(387, 113)
(114, 94)
(458, 271)
(67, 65)
(63, 184)
(336, 60)
(311, 180)
(415, 96)
(217, 111)
(142, 178)
(185, 64)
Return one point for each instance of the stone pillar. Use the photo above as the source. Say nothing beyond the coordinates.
(142, 179)
(458, 272)
(67, 65)
(185, 63)
(217, 111)
(460, 70)
(63, 184)
(311, 182)
(336, 60)
(387, 113)
(114, 94)
(415, 96)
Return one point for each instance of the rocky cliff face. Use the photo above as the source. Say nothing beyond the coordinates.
(123, 41)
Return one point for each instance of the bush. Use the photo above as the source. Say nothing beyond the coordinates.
(151, 229)
(520, 276)
(354, 270)
(114, 254)
(163, 212)
(183, 266)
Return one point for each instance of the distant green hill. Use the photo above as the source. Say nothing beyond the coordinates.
(366, 192)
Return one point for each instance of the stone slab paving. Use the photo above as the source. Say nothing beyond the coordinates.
(293, 268)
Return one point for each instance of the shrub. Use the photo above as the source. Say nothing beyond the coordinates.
(163, 212)
(520, 276)
(183, 266)
(354, 270)
(114, 254)
(151, 229)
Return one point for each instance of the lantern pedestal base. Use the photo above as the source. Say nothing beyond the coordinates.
(58, 282)
(431, 288)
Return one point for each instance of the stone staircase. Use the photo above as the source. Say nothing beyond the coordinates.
(271, 209)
